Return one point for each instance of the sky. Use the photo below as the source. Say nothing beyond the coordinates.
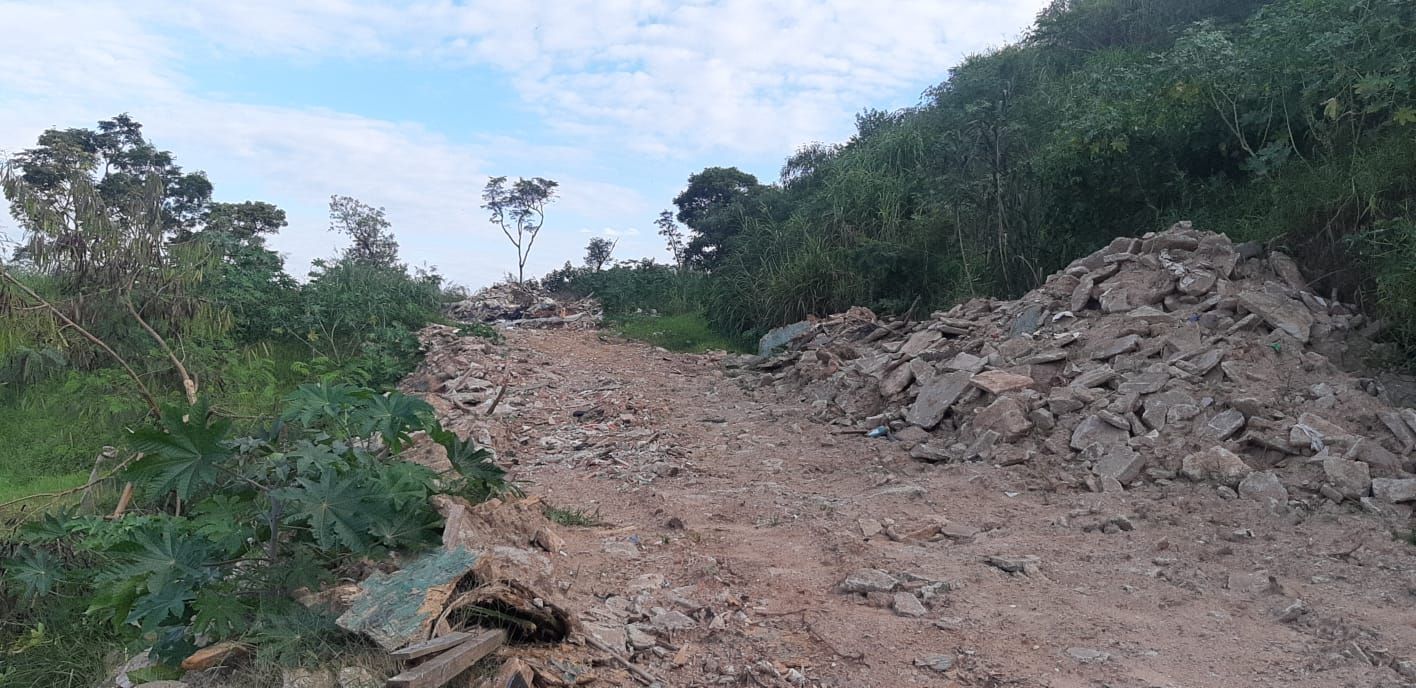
(412, 105)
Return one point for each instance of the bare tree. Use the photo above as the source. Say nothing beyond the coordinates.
(519, 210)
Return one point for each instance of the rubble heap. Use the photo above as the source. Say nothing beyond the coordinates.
(1175, 355)
(524, 305)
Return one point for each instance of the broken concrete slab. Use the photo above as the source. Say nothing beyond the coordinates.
(1000, 382)
(1095, 430)
(1281, 313)
(936, 398)
(1353, 479)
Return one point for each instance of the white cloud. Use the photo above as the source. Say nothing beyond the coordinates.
(663, 78)
(705, 77)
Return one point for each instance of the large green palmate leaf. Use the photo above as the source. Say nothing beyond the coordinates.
(35, 570)
(161, 553)
(317, 403)
(337, 510)
(183, 454)
(392, 416)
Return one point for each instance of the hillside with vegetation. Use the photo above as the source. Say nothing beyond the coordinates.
(1291, 122)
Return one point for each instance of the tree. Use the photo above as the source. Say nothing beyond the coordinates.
(248, 222)
(673, 235)
(520, 211)
(368, 227)
(714, 206)
(598, 252)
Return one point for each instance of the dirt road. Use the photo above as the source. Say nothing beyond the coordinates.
(745, 516)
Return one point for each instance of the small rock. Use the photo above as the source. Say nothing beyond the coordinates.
(214, 655)
(1225, 424)
(1087, 655)
(1263, 486)
(1027, 565)
(999, 382)
(671, 621)
(1394, 490)
(1353, 479)
(870, 527)
(1121, 463)
(639, 637)
(1215, 464)
(612, 636)
(939, 663)
(1094, 430)
(869, 580)
(1291, 612)
(906, 604)
(358, 677)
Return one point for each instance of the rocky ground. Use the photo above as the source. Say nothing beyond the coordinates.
(745, 542)
(1154, 470)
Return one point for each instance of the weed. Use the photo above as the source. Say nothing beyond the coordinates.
(483, 330)
(573, 517)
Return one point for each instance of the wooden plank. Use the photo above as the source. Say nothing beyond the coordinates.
(446, 666)
(428, 647)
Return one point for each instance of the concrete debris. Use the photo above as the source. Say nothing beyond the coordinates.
(868, 581)
(1176, 344)
(524, 305)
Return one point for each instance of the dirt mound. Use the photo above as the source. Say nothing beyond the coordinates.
(524, 305)
(1177, 355)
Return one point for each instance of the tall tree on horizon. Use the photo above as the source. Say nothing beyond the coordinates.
(519, 210)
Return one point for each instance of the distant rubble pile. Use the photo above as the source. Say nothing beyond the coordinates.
(524, 305)
(1175, 355)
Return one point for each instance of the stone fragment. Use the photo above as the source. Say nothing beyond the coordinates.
(999, 382)
(1215, 464)
(939, 663)
(906, 604)
(1263, 486)
(967, 362)
(1157, 407)
(1005, 416)
(1082, 294)
(1281, 313)
(1398, 427)
(1394, 490)
(928, 451)
(918, 342)
(869, 580)
(1095, 377)
(615, 636)
(1144, 383)
(1224, 424)
(671, 621)
(1094, 430)
(1133, 288)
(982, 448)
(1063, 405)
(639, 636)
(1150, 315)
(1116, 347)
(1285, 268)
(869, 527)
(1043, 419)
(936, 398)
(1026, 321)
(1197, 282)
(1383, 463)
(896, 381)
(1027, 564)
(1122, 463)
(1352, 479)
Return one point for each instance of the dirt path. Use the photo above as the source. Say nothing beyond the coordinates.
(746, 516)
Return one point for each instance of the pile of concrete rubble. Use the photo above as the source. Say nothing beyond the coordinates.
(1178, 355)
(525, 305)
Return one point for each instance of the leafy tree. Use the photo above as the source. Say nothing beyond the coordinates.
(598, 252)
(368, 227)
(249, 222)
(714, 206)
(519, 210)
(673, 236)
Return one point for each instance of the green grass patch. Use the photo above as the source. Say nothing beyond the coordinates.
(685, 333)
(573, 517)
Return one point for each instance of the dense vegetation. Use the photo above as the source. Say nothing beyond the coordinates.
(248, 411)
(1289, 121)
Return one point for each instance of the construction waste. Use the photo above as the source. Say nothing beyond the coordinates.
(1175, 356)
(525, 305)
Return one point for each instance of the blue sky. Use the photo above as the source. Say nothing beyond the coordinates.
(411, 105)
